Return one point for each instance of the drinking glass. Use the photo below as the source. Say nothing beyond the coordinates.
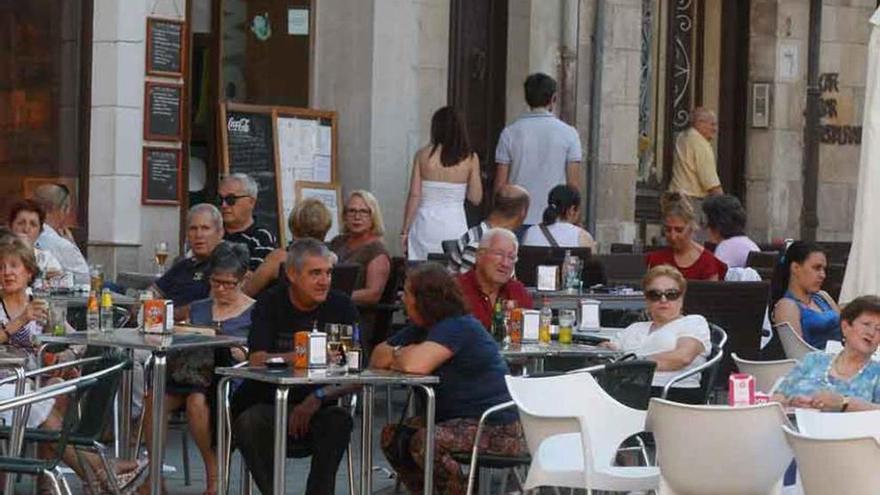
(161, 256)
(57, 318)
(566, 325)
(335, 357)
(96, 278)
(346, 334)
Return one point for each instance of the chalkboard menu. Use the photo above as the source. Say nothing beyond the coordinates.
(165, 47)
(161, 176)
(250, 148)
(162, 108)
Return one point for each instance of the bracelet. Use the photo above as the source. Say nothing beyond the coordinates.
(845, 404)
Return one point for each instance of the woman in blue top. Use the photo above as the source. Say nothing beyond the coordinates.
(799, 299)
(448, 342)
(849, 381)
(191, 382)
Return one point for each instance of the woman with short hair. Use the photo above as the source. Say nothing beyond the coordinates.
(310, 218)
(559, 227)
(677, 343)
(448, 342)
(848, 381)
(798, 296)
(690, 258)
(726, 224)
(26, 219)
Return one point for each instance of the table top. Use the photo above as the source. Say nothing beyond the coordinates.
(12, 356)
(289, 376)
(129, 338)
(82, 300)
(555, 349)
(566, 299)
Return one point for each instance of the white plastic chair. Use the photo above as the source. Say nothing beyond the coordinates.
(573, 430)
(836, 466)
(719, 450)
(794, 345)
(822, 425)
(767, 373)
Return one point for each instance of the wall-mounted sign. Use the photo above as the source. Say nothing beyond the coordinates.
(166, 42)
(161, 176)
(163, 103)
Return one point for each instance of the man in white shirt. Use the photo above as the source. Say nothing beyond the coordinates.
(55, 200)
(538, 151)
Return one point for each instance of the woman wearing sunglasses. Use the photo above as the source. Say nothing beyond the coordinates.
(676, 342)
(686, 255)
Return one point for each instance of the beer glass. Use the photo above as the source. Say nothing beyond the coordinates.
(161, 256)
(566, 325)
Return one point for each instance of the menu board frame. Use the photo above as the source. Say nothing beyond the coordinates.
(149, 135)
(181, 53)
(145, 174)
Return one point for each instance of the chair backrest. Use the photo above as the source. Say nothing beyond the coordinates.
(737, 307)
(623, 268)
(345, 276)
(719, 450)
(764, 262)
(603, 422)
(441, 258)
(620, 248)
(836, 426)
(833, 282)
(96, 403)
(628, 382)
(836, 466)
(530, 257)
(449, 246)
(766, 373)
(794, 345)
(710, 375)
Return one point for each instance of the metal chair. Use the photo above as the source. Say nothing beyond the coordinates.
(708, 370)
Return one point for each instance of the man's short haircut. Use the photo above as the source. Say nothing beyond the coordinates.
(305, 248)
(248, 184)
(700, 114)
(508, 204)
(490, 235)
(52, 197)
(208, 209)
(539, 89)
(859, 306)
(310, 218)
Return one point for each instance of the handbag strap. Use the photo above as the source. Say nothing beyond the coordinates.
(548, 235)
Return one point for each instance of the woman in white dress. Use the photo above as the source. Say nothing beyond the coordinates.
(444, 173)
(559, 226)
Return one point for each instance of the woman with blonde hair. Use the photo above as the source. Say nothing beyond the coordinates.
(310, 218)
(361, 243)
(690, 258)
(677, 343)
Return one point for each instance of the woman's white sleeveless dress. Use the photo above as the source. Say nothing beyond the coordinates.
(440, 217)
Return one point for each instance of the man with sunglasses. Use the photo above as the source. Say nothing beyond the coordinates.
(237, 199)
(55, 199)
(491, 279)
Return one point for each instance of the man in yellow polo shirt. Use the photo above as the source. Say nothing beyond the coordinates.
(694, 172)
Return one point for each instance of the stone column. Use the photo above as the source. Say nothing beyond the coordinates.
(121, 230)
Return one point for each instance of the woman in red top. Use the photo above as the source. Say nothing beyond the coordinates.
(688, 256)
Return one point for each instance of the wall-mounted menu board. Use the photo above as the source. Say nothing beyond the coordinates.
(162, 111)
(248, 146)
(161, 177)
(166, 46)
(303, 148)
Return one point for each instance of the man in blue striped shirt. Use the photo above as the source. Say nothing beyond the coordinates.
(509, 208)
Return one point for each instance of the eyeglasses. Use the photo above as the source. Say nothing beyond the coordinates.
(357, 212)
(654, 295)
(502, 255)
(225, 284)
(231, 199)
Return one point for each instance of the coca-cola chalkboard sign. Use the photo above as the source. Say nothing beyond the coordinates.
(248, 134)
(162, 111)
(161, 178)
(166, 42)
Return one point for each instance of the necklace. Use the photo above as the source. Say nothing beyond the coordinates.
(831, 368)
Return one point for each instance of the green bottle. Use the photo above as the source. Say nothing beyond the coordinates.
(498, 330)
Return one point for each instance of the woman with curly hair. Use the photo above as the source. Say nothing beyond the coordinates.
(447, 342)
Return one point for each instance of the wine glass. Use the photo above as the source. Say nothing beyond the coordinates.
(161, 256)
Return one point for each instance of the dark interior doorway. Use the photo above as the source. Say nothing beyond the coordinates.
(477, 72)
(733, 97)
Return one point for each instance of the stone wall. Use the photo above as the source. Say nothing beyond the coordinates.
(122, 232)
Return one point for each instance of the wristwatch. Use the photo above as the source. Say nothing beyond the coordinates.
(320, 394)
(395, 351)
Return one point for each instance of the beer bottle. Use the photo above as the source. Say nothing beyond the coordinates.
(546, 319)
(498, 331)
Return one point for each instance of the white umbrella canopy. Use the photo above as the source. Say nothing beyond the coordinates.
(863, 267)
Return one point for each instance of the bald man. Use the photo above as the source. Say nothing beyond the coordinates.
(510, 205)
(694, 171)
(55, 200)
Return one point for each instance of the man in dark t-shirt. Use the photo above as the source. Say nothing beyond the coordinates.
(305, 303)
(238, 197)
